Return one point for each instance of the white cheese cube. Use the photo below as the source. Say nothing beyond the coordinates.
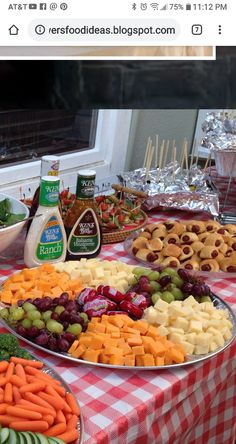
(195, 326)
(203, 338)
(201, 349)
(163, 331)
(190, 301)
(181, 323)
(98, 272)
(150, 315)
(219, 339)
(216, 323)
(122, 275)
(191, 337)
(226, 333)
(176, 330)
(176, 338)
(75, 274)
(213, 346)
(162, 318)
(175, 311)
(161, 305)
(189, 348)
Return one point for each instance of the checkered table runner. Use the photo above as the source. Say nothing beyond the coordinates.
(192, 405)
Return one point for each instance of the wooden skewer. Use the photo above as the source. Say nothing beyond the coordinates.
(193, 152)
(207, 161)
(182, 154)
(186, 154)
(174, 160)
(196, 161)
(149, 160)
(166, 152)
(146, 152)
(156, 150)
(160, 160)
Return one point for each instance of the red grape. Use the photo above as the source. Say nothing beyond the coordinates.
(165, 280)
(69, 337)
(63, 344)
(65, 316)
(187, 287)
(52, 343)
(21, 330)
(71, 305)
(54, 316)
(183, 274)
(20, 302)
(33, 332)
(42, 339)
(63, 299)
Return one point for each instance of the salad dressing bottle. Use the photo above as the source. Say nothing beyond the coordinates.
(46, 239)
(84, 235)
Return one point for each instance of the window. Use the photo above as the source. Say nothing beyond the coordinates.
(104, 148)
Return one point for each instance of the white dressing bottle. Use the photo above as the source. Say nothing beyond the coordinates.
(46, 239)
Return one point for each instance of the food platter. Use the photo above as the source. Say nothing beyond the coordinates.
(191, 359)
(206, 274)
(109, 237)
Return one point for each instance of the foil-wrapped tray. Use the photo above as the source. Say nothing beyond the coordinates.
(191, 359)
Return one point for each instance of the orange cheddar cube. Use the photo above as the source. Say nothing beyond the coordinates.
(129, 360)
(135, 340)
(91, 355)
(138, 350)
(116, 360)
(160, 360)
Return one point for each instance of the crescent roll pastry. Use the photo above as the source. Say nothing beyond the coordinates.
(223, 248)
(146, 255)
(197, 246)
(171, 238)
(175, 227)
(140, 242)
(228, 264)
(145, 234)
(212, 226)
(150, 227)
(186, 253)
(155, 244)
(170, 262)
(230, 228)
(202, 237)
(214, 239)
(209, 252)
(159, 233)
(188, 237)
(190, 264)
(220, 257)
(195, 226)
(209, 265)
(232, 243)
(171, 250)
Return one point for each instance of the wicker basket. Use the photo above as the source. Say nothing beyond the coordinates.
(119, 236)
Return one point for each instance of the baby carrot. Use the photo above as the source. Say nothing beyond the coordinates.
(37, 400)
(36, 408)
(3, 366)
(35, 364)
(16, 394)
(72, 404)
(1, 397)
(20, 372)
(33, 426)
(56, 403)
(69, 436)
(3, 408)
(26, 414)
(8, 394)
(60, 390)
(49, 419)
(33, 387)
(16, 380)
(6, 419)
(60, 417)
(51, 391)
(10, 371)
(3, 381)
(57, 429)
(72, 423)
(68, 416)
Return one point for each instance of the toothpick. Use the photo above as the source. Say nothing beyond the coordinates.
(146, 152)
(156, 150)
(160, 160)
(193, 152)
(166, 152)
(174, 160)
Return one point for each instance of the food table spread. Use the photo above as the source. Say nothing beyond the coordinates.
(194, 404)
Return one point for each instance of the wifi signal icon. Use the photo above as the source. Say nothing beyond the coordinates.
(154, 6)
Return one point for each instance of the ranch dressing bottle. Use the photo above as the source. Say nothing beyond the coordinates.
(46, 239)
(84, 238)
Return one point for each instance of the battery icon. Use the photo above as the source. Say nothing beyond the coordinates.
(188, 7)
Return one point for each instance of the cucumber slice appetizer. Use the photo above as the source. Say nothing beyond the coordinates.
(41, 438)
(27, 437)
(12, 438)
(21, 439)
(4, 434)
(55, 441)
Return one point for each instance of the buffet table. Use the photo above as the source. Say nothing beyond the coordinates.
(192, 405)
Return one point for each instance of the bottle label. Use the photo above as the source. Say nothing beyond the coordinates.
(49, 193)
(85, 187)
(50, 245)
(85, 236)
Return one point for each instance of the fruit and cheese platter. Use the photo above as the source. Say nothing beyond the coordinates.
(206, 248)
(115, 315)
(37, 406)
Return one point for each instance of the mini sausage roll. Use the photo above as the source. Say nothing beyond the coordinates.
(202, 237)
(171, 238)
(171, 250)
(195, 226)
(188, 237)
(150, 227)
(170, 262)
(159, 233)
(209, 265)
(209, 252)
(175, 227)
(140, 242)
(232, 243)
(155, 244)
(146, 255)
(223, 231)
(223, 248)
(212, 226)
(230, 228)
(214, 240)
(190, 264)
(197, 246)
(145, 234)
(186, 253)
(228, 264)
(220, 257)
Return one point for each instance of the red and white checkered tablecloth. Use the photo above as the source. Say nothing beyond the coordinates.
(192, 405)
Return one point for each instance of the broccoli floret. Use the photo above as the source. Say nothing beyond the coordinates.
(21, 353)
(8, 343)
(4, 356)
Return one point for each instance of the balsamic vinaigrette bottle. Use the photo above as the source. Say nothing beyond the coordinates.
(82, 224)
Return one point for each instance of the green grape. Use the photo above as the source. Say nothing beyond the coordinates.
(170, 271)
(4, 313)
(26, 323)
(13, 308)
(84, 316)
(154, 276)
(167, 296)
(54, 326)
(155, 297)
(18, 314)
(33, 314)
(178, 294)
(38, 323)
(27, 306)
(205, 299)
(59, 309)
(141, 271)
(155, 286)
(177, 281)
(46, 315)
(75, 329)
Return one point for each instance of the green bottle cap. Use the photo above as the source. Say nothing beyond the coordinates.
(49, 191)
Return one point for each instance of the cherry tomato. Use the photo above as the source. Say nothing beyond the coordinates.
(121, 218)
(64, 193)
(104, 206)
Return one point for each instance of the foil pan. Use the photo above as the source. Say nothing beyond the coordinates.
(220, 132)
(191, 359)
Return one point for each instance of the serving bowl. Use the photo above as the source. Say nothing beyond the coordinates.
(9, 234)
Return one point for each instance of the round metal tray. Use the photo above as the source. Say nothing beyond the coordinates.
(191, 359)
(206, 274)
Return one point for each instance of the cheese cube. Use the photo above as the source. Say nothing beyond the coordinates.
(189, 348)
(226, 333)
(191, 337)
(176, 330)
(163, 331)
(201, 349)
(98, 272)
(190, 301)
(219, 340)
(213, 346)
(75, 274)
(177, 338)
(195, 326)
(161, 305)
(162, 318)
(175, 311)
(203, 338)
(150, 315)
(181, 323)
